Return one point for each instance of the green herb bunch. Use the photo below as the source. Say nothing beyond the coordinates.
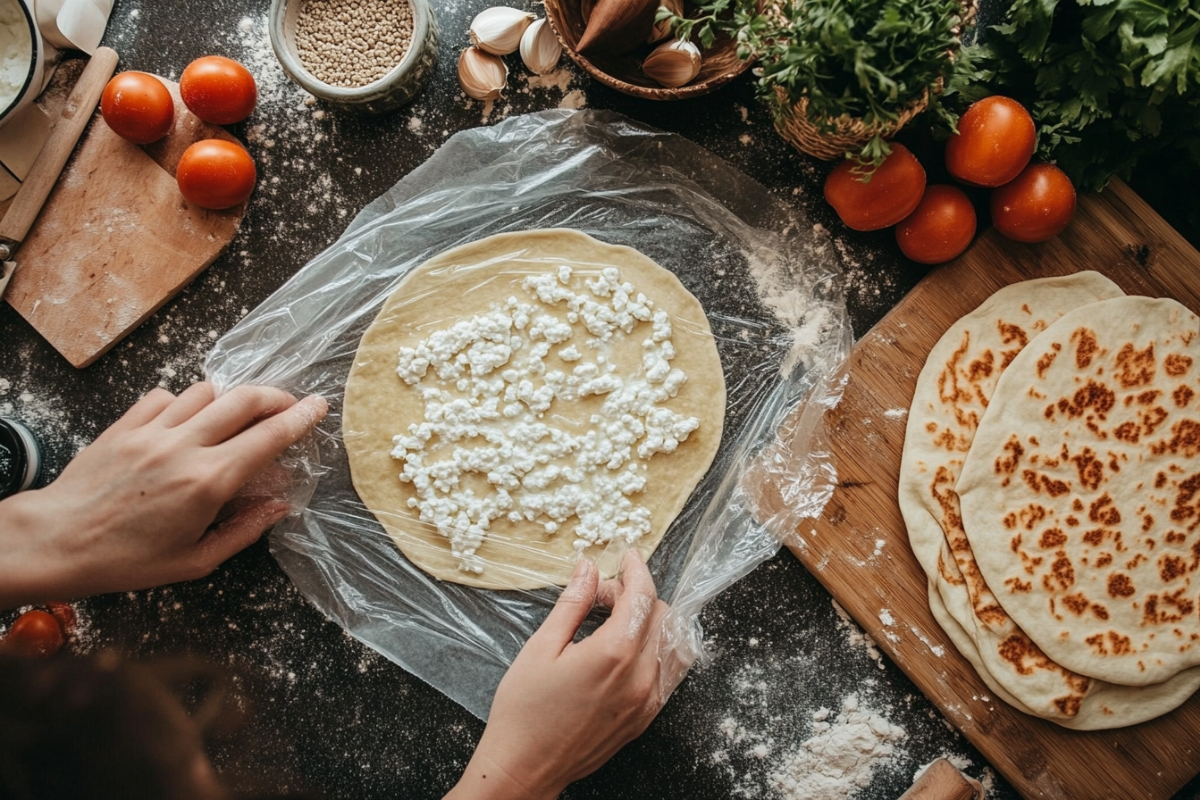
(870, 60)
(1107, 81)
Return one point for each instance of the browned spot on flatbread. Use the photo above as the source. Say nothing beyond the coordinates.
(1085, 347)
(1032, 514)
(1039, 482)
(1176, 364)
(1007, 464)
(1184, 441)
(981, 367)
(1091, 470)
(1104, 511)
(1171, 567)
(1052, 538)
(1167, 608)
(1095, 396)
(1120, 585)
(1182, 396)
(1062, 573)
(1135, 367)
(1045, 361)
(1068, 706)
(1017, 585)
(1128, 432)
(1184, 508)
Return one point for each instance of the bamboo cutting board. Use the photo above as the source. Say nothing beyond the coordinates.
(859, 548)
(115, 240)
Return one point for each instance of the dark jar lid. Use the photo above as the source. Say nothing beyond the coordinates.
(20, 457)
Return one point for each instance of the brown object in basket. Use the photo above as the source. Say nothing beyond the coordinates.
(617, 26)
(719, 66)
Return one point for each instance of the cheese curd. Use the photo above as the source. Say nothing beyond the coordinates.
(493, 411)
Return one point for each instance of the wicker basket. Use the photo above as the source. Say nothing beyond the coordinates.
(719, 65)
(845, 134)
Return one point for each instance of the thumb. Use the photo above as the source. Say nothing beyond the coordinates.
(572, 607)
(240, 529)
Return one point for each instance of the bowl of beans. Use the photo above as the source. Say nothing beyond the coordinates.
(364, 55)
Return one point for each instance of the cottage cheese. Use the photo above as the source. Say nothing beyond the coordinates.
(488, 394)
(16, 52)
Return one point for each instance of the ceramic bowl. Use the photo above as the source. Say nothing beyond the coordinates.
(389, 92)
(32, 85)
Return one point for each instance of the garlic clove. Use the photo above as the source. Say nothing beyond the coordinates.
(672, 64)
(662, 30)
(498, 30)
(616, 27)
(481, 75)
(540, 49)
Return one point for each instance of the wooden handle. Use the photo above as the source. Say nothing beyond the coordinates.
(49, 164)
(941, 781)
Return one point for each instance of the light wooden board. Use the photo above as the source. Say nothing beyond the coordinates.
(859, 548)
(115, 240)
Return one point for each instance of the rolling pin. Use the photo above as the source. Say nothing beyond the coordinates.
(941, 781)
(30, 198)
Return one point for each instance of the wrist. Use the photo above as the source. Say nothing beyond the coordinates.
(30, 570)
(486, 779)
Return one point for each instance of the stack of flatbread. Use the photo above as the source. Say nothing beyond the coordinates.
(1051, 487)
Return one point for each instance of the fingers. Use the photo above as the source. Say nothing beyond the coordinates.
(234, 411)
(251, 450)
(631, 615)
(143, 411)
(189, 403)
(571, 609)
(239, 531)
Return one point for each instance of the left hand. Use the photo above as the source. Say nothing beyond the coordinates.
(139, 506)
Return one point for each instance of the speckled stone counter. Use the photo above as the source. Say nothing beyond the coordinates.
(323, 713)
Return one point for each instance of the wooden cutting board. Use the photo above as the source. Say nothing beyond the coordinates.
(859, 548)
(115, 240)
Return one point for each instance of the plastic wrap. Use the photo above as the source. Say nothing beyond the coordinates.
(773, 298)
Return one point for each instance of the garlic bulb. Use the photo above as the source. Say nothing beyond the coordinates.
(481, 75)
(662, 30)
(672, 64)
(540, 49)
(498, 30)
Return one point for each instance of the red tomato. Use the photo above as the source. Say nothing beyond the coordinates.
(995, 141)
(941, 227)
(214, 173)
(1035, 206)
(64, 613)
(890, 195)
(218, 90)
(138, 107)
(35, 633)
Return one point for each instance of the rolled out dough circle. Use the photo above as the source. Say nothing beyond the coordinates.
(468, 280)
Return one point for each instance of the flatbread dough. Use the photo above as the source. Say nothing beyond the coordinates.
(469, 280)
(953, 392)
(1079, 493)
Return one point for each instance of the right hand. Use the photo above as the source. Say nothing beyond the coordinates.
(564, 708)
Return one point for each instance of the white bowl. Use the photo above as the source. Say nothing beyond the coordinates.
(391, 91)
(32, 86)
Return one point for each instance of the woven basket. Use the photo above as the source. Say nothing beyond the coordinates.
(845, 134)
(719, 66)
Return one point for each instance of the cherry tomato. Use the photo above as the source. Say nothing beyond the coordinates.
(138, 107)
(941, 227)
(214, 173)
(1035, 206)
(218, 90)
(995, 141)
(35, 633)
(890, 195)
(64, 613)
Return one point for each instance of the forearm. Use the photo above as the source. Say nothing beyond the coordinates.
(30, 569)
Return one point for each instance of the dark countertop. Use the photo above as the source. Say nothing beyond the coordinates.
(323, 712)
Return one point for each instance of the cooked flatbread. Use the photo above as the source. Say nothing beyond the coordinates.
(1080, 492)
(482, 276)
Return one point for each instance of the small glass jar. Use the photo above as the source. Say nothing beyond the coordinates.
(20, 457)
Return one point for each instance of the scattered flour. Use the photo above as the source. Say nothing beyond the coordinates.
(856, 636)
(840, 757)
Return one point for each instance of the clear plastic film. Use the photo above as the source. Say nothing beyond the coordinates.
(772, 296)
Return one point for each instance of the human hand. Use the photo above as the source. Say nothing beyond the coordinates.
(140, 506)
(564, 708)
